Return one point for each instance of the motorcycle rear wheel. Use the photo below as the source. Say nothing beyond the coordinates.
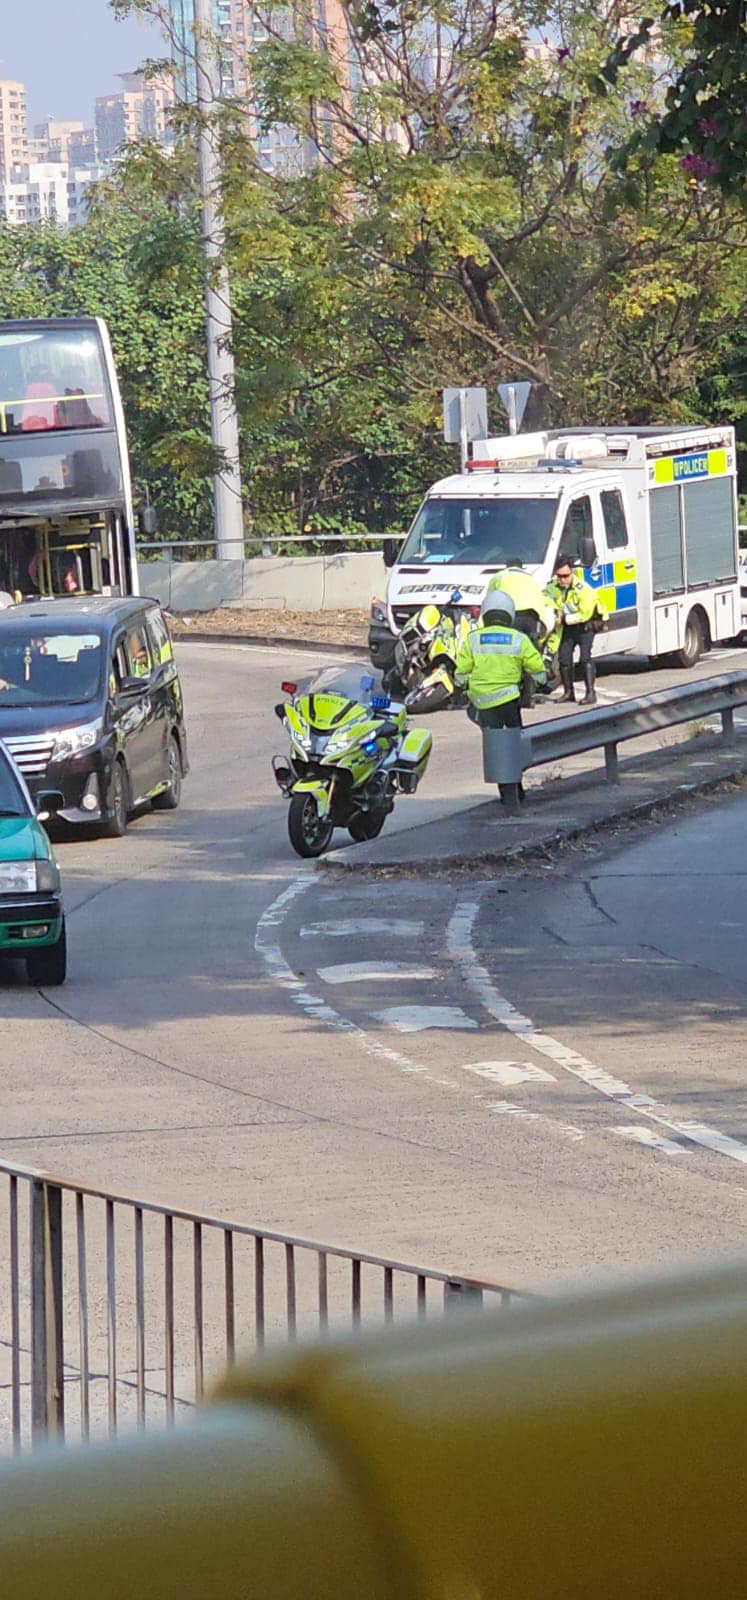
(367, 825)
(309, 833)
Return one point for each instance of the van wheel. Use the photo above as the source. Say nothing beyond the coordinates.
(116, 823)
(695, 640)
(48, 968)
(169, 798)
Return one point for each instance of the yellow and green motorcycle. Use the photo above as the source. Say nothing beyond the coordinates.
(424, 670)
(351, 754)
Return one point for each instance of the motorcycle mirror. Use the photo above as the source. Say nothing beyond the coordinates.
(280, 712)
(289, 688)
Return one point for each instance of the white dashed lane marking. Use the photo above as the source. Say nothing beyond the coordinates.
(374, 972)
(477, 978)
(655, 1141)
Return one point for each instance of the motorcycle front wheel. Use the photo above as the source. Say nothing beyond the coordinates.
(309, 833)
(366, 825)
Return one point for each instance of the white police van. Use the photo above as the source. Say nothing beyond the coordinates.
(649, 513)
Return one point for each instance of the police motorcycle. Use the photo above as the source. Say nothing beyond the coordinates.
(424, 670)
(351, 754)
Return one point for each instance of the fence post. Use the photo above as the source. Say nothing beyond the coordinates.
(727, 725)
(611, 769)
(459, 1295)
(47, 1354)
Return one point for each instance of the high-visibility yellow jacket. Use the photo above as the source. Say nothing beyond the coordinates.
(491, 661)
(526, 593)
(576, 604)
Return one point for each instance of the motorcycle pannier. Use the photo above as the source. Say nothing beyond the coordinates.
(413, 759)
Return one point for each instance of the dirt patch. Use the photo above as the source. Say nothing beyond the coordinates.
(329, 627)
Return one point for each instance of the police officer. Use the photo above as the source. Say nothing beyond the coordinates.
(535, 614)
(577, 611)
(491, 662)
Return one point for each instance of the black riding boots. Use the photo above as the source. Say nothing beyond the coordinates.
(590, 678)
(566, 678)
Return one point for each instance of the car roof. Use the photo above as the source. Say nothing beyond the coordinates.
(107, 612)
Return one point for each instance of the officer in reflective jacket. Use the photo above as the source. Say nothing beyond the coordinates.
(491, 662)
(535, 614)
(578, 615)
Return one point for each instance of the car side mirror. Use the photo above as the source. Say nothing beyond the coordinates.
(148, 521)
(587, 551)
(49, 802)
(390, 551)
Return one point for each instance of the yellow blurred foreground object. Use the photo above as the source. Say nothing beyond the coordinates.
(591, 1449)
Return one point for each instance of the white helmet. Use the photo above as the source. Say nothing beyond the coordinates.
(498, 600)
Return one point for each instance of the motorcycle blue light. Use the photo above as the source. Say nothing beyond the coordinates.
(456, 596)
(366, 684)
(380, 702)
(369, 747)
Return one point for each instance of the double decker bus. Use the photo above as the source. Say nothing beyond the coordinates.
(66, 514)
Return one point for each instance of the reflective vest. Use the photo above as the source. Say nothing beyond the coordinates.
(491, 661)
(577, 603)
(526, 593)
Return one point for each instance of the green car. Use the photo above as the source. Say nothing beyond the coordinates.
(32, 921)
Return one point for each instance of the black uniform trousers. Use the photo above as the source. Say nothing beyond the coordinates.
(576, 636)
(506, 716)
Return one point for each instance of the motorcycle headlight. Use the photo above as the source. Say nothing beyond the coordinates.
(302, 741)
(378, 612)
(18, 877)
(338, 743)
(71, 741)
(47, 877)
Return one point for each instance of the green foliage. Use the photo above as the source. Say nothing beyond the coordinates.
(705, 106)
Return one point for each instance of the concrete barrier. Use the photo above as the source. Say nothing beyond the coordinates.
(343, 581)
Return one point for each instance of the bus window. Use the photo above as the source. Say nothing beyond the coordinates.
(52, 380)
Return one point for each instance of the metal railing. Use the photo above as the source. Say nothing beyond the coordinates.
(266, 543)
(114, 1308)
(608, 726)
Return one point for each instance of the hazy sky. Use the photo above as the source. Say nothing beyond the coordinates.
(68, 51)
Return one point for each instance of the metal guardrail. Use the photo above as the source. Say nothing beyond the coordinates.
(608, 726)
(117, 1307)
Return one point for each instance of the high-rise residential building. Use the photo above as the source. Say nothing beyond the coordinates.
(239, 28)
(139, 111)
(14, 139)
(54, 137)
(47, 192)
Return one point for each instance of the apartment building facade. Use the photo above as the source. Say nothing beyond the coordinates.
(14, 138)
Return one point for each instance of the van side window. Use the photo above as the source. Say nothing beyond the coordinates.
(139, 659)
(160, 638)
(119, 667)
(577, 525)
(615, 525)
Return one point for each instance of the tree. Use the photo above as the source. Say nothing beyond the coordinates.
(704, 112)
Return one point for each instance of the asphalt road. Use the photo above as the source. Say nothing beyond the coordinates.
(364, 1062)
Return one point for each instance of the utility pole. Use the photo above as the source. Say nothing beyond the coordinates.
(229, 518)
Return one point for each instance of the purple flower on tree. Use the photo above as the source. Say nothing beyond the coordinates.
(637, 107)
(707, 126)
(563, 53)
(699, 166)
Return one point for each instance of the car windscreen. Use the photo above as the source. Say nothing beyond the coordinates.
(13, 801)
(48, 668)
(481, 531)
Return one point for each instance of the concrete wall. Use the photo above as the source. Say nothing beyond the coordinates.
(345, 581)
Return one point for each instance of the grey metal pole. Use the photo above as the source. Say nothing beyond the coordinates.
(229, 518)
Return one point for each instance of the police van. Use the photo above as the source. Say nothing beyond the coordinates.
(649, 513)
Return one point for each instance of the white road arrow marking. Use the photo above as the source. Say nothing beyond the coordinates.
(394, 927)
(374, 972)
(412, 1019)
(509, 1073)
(655, 1141)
